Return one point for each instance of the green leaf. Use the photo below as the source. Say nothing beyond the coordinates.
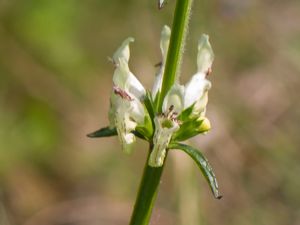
(145, 131)
(148, 102)
(155, 101)
(142, 133)
(103, 132)
(202, 163)
(108, 132)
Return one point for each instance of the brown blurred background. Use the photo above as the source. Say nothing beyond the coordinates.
(55, 83)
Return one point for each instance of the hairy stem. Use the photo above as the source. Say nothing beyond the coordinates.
(176, 46)
(147, 194)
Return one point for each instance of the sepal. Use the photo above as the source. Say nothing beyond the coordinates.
(191, 128)
(164, 129)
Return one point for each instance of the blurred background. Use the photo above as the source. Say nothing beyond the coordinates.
(55, 83)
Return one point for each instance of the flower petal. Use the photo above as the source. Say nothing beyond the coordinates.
(123, 51)
(126, 114)
(205, 56)
(164, 45)
(174, 98)
(126, 80)
(126, 119)
(196, 91)
(124, 123)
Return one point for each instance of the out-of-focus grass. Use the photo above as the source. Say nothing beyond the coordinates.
(55, 82)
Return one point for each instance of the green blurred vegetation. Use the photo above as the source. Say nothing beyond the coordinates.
(55, 83)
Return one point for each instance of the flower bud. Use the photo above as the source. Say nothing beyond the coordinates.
(205, 126)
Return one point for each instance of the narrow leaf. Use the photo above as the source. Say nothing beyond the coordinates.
(103, 132)
(202, 163)
(148, 101)
(108, 132)
(141, 133)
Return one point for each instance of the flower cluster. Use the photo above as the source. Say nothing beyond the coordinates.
(136, 112)
(133, 110)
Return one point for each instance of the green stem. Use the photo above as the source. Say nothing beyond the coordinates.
(151, 177)
(147, 194)
(176, 46)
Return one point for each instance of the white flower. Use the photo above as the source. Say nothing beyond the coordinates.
(166, 124)
(197, 88)
(194, 93)
(183, 108)
(179, 98)
(126, 111)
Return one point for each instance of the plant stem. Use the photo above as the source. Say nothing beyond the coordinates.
(151, 178)
(147, 194)
(176, 46)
